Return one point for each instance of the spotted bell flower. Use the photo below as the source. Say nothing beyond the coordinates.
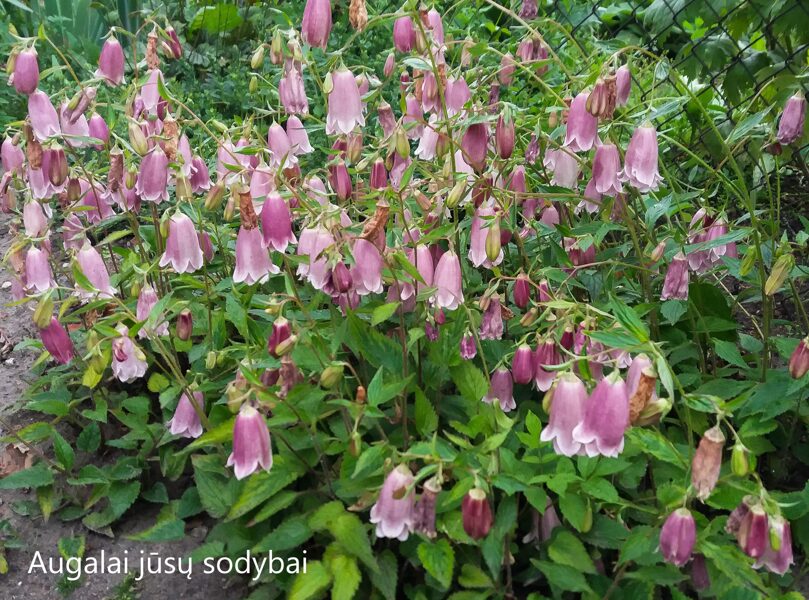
(640, 161)
(251, 443)
(153, 177)
(501, 390)
(447, 281)
(790, 126)
(111, 62)
(468, 348)
(482, 227)
(366, 272)
(607, 170)
(57, 341)
(345, 104)
(582, 127)
(95, 271)
(476, 514)
(568, 398)
(38, 274)
(393, 512)
(675, 285)
(128, 361)
(474, 144)
(276, 223)
(677, 537)
(186, 422)
(43, 116)
(564, 166)
(147, 300)
(25, 77)
(316, 23)
(606, 418)
(291, 90)
(183, 251)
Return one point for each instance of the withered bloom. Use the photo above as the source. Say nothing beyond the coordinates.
(707, 462)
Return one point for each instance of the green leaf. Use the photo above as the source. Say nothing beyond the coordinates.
(563, 577)
(63, 451)
(346, 575)
(729, 352)
(567, 549)
(630, 320)
(673, 310)
(265, 484)
(425, 415)
(349, 530)
(438, 560)
(291, 533)
(57, 408)
(89, 439)
(216, 490)
(474, 577)
(653, 442)
(157, 383)
(216, 19)
(167, 528)
(470, 381)
(601, 489)
(383, 313)
(33, 477)
(386, 580)
(218, 435)
(379, 392)
(370, 461)
(641, 546)
(312, 583)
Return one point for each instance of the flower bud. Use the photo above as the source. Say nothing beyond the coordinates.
(281, 330)
(799, 361)
(522, 290)
(530, 317)
(677, 537)
(210, 360)
(779, 274)
(361, 395)
(43, 312)
(457, 192)
(230, 208)
(215, 195)
(522, 365)
(476, 513)
(185, 324)
(493, 241)
(57, 166)
(504, 136)
(390, 65)
(276, 49)
(258, 57)
(331, 376)
(658, 251)
(355, 444)
(73, 190)
(137, 139)
(707, 461)
(739, 464)
(26, 72)
(285, 347)
(253, 85)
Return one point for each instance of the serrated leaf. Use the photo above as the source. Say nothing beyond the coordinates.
(63, 451)
(310, 584)
(33, 477)
(729, 352)
(89, 439)
(347, 577)
(567, 549)
(386, 579)
(470, 381)
(425, 415)
(167, 528)
(438, 560)
(265, 484)
(349, 530)
(157, 383)
(563, 577)
(383, 313)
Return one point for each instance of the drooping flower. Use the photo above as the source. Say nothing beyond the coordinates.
(128, 361)
(522, 290)
(153, 177)
(312, 243)
(150, 92)
(35, 220)
(640, 161)
(147, 299)
(367, 270)
(582, 127)
(94, 269)
(474, 144)
(753, 532)
(57, 341)
(182, 245)
(468, 347)
(11, 155)
(316, 23)
(640, 385)
(565, 167)
(291, 90)
(790, 127)
(253, 264)
(501, 389)
(281, 331)
(251, 443)
(98, 129)
(457, 94)
(447, 280)
(545, 356)
(481, 228)
(26, 72)
(677, 537)
(186, 422)
(421, 258)
(606, 170)
(606, 418)
(424, 510)
(393, 512)
(567, 402)
(298, 137)
(778, 555)
(623, 85)
(476, 514)
(675, 285)
(345, 104)
(200, 176)
(504, 136)
(404, 34)
(522, 365)
(707, 462)
(111, 62)
(282, 156)
(799, 361)
(491, 325)
(276, 223)
(43, 116)
(38, 275)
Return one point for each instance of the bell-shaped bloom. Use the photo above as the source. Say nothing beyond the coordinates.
(623, 85)
(522, 365)
(522, 290)
(529, 9)
(675, 285)
(754, 532)
(99, 130)
(404, 34)
(291, 90)
(640, 161)
(345, 104)
(506, 73)
(182, 245)
(379, 175)
(38, 275)
(565, 167)
(545, 357)
(606, 418)
(778, 555)
(705, 229)
(26, 72)
(468, 348)
(43, 116)
(707, 462)
(790, 127)
(251, 443)
(73, 233)
(430, 94)
(185, 421)
(799, 361)
(413, 119)
(281, 331)
(184, 325)
(457, 94)
(282, 156)
(298, 137)
(276, 223)
(111, 62)
(316, 23)
(147, 299)
(97, 199)
(35, 220)
(424, 509)
(421, 258)
(200, 176)
(606, 170)
(476, 514)
(504, 137)
(501, 389)
(393, 512)
(94, 269)
(150, 92)
(153, 177)
(128, 361)
(582, 127)
(57, 341)
(11, 155)
(447, 280)
(474, 144)
(677, 537)
(73, 127)
(367, 270)
(481, 228)
(253, 264)
(313, 242)
(434, 24)
(568, 398)
(491, 325)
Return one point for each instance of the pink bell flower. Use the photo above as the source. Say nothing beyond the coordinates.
(481, 225)
(367, 270)
(345, 104)
(43, 116)
(799, 361)
(281, 155)
(253, 264)
(276, 223)
(565, 167)
(200, 176)
(251, 443)
(97, 128)
(150, 92)
(26, 72)
(474, 144)
(404, 34)
(582, 127)
(94, 269)
(38, 274)
(606, 418)
(182, 245)
(606, 170)
(491, 325)
(422, 260)
(393, 513)
(640, 161)
(790, 127)
(522, 364)
(675, 285)
(313, 242)
(316, 23)
(777, 559)
(456, 95)
(476, 514)
(468, 348)
(413, 119)
(35, 220)
(147, 299)
(11, 155)
(447, 280)
(623, 85)
(153, 177)
(97, 199)
(111, 62)
(546, 355)
(185, 421)
(677, 537)
(501, 389)
(504, 137)
(57, 341)
(298, 137)
(128, 361)
(291, 90)
(568, 398)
